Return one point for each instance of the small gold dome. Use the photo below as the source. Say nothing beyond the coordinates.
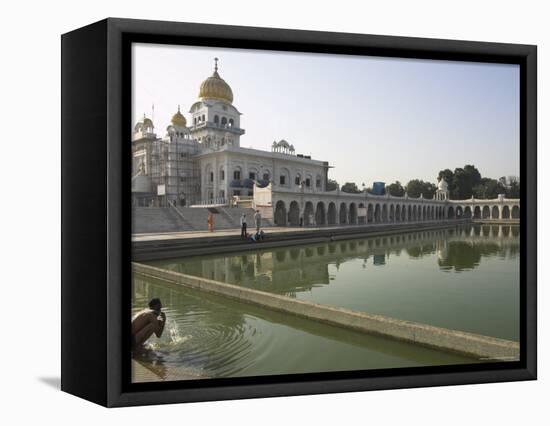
(178, 119)
(215, 87)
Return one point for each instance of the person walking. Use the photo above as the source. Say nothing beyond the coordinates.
(258, 221)
(243, 226)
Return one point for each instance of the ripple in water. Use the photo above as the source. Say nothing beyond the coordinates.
(201, 334)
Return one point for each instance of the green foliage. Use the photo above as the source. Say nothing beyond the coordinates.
(467, 182)
(331, 185)
(396, 189)
(416, 187)
(351, 188)
(513, 187)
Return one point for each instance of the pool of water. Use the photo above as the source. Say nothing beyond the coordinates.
(210, 336)
(464, 278)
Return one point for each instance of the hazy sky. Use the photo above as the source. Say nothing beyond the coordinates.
(372, 118)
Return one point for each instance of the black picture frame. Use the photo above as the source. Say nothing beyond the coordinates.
(96, 228)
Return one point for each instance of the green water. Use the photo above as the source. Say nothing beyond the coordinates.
(215, 337)
(464, 278)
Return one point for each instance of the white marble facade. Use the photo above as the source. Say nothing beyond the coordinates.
(202, 162)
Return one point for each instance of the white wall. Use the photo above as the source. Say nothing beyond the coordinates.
(31, 233)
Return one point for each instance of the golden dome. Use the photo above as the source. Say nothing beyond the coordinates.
(215, 87)
(178, 119)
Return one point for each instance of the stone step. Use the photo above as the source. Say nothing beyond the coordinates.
(163, 219)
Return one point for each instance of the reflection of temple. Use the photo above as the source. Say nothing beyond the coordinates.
(287, 270)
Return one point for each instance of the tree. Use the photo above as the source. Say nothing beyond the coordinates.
(416, 187)
(351, 188)
(513, 187)
(489, 189)
(462, 181)
(331, 185)
(396, 189)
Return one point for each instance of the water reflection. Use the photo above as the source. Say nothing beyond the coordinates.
(464, 278)
(298, 269)
(210, 336)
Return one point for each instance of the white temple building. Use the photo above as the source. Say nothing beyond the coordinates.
(203, 163)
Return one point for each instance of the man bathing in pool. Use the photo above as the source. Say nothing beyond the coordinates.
(147, 322)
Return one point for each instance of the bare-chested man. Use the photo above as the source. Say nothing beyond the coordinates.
(147, 322)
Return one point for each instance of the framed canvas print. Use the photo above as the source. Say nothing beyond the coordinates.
(253, 212)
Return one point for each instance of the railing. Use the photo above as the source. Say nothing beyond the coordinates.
(181, 215)
(217, 201)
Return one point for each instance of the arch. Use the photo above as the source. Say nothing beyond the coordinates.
(370, 213)
(318, 182)
(237, 173)
(414, 214)
(515, 212)
(398, 213)
(384, 213)
(294, 214)
(392, 213)
(505, 212)
(217, 119)
(231, 122)
(298, 179)
(343, 214)
(468, 212)
(280, 213)
(284, 177)
(477, 212)
(485, 212)
(409, 213)
(459, 212)
(495, 213)
(361, 219)
(451, 212)
(423, 216)
(224, 121)
(403, 213)
(208, 182)
(320, 216)
(309, 217)
(253, 173)
(353, 214)
(331, 216)
(377, 215)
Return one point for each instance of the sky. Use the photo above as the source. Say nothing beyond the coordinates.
(371, 118)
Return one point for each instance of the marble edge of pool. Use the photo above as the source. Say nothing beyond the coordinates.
(482, 347)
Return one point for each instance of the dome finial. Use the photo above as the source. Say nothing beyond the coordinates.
(215, 87)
